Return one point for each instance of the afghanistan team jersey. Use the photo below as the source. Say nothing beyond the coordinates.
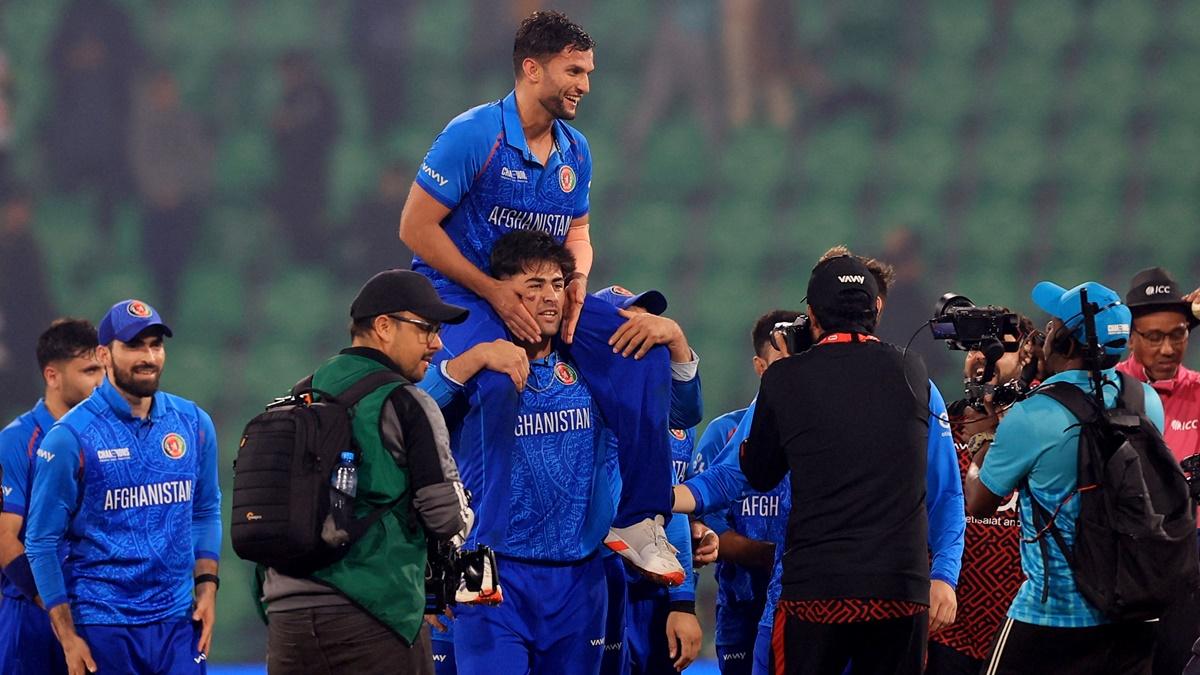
(991, 573)
(18, 442)
(480, 168)
(137, 502)
(557, 461)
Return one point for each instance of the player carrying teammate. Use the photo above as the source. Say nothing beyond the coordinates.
(516, 165)
(128, 481)
(66, 353)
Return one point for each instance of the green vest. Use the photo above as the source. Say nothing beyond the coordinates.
(384, 572)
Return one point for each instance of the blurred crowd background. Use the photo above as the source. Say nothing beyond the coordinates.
(242, 164)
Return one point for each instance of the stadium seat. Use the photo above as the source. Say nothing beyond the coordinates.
(1041, 28)
(939, 92)
(677, 160)
(1121, 26)
(1011, 156)
(1107, 87)
(921, 158)
(1025, 89)
(839, 157)
(245, 164)
(771, 166)
(957, 29)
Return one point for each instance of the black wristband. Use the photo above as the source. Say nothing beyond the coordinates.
(205, 578)
(685, 606)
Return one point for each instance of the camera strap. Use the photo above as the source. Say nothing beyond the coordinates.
(843, 338)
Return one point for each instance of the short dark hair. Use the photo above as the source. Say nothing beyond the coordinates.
(66, 339)
(845, 320)
(760, 337)
(544, 34)
(361, 327)
(517, 251)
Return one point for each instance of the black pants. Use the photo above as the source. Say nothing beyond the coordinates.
(1175, 633)
(944, 660)
(1111, 649)
(888, 647)
(334, 640)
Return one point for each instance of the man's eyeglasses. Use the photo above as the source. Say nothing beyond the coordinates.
(1155, 338)
(431, 329)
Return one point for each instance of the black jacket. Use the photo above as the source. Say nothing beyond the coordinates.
(850, 421)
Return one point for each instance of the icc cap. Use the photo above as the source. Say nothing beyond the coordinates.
(393, 291)
(842, 282)
(1154, 290)
(1112, 319)
(126, 319)
(620, 297)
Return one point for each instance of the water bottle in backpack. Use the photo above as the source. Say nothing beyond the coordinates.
(345, 487)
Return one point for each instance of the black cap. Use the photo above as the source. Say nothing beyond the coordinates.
(842, 282)
(1155, 290)
(394, 291)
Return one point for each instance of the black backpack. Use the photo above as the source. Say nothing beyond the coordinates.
(281, 478)
(1135, 538)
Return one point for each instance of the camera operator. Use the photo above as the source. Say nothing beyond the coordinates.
(1162, 320)
(991, 570)
(1051, 627)
(849, 419)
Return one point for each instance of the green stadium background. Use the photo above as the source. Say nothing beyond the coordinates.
(1017, 140)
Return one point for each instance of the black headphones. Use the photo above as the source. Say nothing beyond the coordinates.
(1061, 341)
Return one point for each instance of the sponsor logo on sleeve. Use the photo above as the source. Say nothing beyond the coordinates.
(174, 446)
(45, 454)
(437, 177)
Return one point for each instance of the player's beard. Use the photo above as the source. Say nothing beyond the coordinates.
(125, 381)
(557, 108)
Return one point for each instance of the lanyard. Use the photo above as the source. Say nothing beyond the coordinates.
(840, 338)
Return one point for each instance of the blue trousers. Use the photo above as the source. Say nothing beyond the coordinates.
(27, 644)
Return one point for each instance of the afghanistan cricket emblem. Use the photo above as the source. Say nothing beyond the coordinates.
(174, 446)
(565, 374)
(679, 434)
(139, 309)
(566, 178)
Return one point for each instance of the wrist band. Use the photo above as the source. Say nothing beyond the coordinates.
(205, 578)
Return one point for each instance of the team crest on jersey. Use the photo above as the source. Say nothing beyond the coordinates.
(567, 179)
(679, 434)
(139, 309)
(174, 446)
(621, 290)
(565, 374)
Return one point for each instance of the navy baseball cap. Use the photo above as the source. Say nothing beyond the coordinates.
(126, 319)
(622, 298)
(1112, 319)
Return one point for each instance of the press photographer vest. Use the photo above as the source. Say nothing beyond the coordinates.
(384, 571)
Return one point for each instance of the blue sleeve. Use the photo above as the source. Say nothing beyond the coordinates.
(679, 533)
(456, 158)
(711, 442)
(944, 495)
(723, 482)
(439, 386)
(687, 404)
(1010, 457)
(206, 510)
(51, 507)
(15, 463)
(582, 199)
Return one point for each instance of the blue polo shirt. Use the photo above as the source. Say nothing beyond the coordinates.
(135, 500)
(1039, 439)
(480, 168)
(18, 441)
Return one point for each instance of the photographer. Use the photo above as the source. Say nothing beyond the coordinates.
(849, 419)
(1051, 627)
(991, 570)
(363, 614)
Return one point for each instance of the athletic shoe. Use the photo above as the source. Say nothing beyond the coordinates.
(644, 545)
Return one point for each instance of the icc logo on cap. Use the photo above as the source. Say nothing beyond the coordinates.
(1157, 290)
(565, 374)
(174, 446)
(138, 308)
(566, 178)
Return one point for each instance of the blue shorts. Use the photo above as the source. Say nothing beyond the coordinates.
(551, 621)
(646, 628)
(164, 648)
(762, 651)
(616, 649)
(27, 644)
(443, 653)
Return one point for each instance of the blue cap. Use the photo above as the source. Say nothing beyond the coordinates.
(1112, 318)
(128, 318)
(622, 298)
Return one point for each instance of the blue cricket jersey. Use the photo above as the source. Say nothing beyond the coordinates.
(480, 168)
(18, 441)
(761, 516)
(137, 502)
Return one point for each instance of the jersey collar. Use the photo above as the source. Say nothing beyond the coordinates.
(120, 406)
(514, 133)
(41, 416)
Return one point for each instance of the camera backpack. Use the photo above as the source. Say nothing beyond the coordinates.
(281, 478)
(1135, 537)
